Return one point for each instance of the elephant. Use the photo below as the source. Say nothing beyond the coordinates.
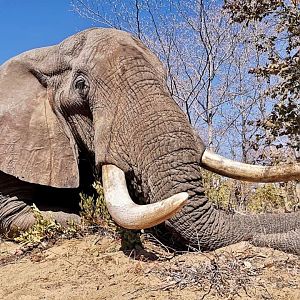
(97, 105)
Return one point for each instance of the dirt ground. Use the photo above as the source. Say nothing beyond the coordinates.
(93, 267)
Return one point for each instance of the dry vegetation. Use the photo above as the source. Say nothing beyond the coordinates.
(230, 194)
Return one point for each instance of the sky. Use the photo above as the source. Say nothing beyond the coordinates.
(28, 24)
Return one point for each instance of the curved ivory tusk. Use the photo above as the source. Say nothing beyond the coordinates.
(128, 214)
(223, 166)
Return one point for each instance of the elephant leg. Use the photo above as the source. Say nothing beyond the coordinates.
(16, 216)
(16, 213)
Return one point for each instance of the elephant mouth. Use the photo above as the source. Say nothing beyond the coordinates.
(130, 215)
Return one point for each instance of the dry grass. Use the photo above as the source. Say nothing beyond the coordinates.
(226, 275)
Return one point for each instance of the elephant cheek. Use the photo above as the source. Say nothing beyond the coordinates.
(106, 145)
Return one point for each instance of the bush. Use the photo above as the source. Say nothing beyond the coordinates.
(266, 198)
(217, 189)
(93, 208)
(243, 196)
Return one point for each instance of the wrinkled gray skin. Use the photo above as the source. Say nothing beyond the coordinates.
(103, 94)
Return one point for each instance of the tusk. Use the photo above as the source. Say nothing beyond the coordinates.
(128, 214)
(223, 166)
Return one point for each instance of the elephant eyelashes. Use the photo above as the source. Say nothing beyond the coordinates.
(81, 86)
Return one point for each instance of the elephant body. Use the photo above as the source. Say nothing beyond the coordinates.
(102, 94)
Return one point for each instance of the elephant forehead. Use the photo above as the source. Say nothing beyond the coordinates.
(82, 45)
(92, 45)
(83, 40)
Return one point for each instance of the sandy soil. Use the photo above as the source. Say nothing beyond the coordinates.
(93, 267)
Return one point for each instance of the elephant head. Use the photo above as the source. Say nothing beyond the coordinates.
(101, 92)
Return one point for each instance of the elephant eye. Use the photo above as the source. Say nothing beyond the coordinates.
(81, 86)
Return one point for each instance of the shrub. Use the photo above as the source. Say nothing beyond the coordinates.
(266, 198)
(217, 189)
(93, 208)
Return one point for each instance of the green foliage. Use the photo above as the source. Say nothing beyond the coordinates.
(217, 189)
(266, 198)
(231, 194)
(44, 229)
(93, 212)
(280, 46)
(93, 208)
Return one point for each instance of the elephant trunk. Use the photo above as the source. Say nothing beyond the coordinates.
(200, 225)
(167, 162)
(151, 140)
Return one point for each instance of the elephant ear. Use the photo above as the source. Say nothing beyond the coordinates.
(33, 145)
